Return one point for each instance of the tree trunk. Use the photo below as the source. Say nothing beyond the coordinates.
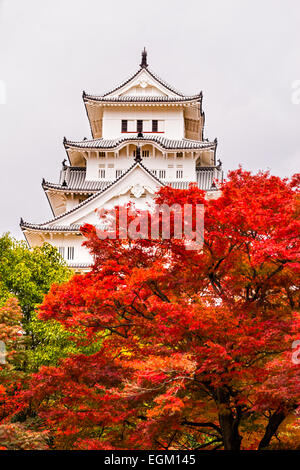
(274, 422)
(231, 438)
(229, 423)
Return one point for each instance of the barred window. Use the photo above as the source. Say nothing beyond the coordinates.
(179, 174)
(119, 173)
(101, 154)
(70, 252)
(145, 153)
(139, 127)
(154, 125)
(162, 174)
(61, 251)
(124, 125)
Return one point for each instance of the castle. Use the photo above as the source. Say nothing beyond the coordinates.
(145, 134)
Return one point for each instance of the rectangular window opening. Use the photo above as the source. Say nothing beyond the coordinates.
(70, 252)
(139, 127)
(154, 125)
(119, 173)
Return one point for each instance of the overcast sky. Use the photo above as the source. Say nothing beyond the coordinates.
(243, 54)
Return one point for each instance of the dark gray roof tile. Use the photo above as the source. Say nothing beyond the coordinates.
(142, 99)
(164, 142)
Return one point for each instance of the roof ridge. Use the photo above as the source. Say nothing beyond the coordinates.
(165, 84)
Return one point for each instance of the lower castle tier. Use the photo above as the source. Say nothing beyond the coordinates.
(145, 135)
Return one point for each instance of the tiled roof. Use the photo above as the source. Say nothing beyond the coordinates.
(152, 74)
(86, 201)
(162, 141)
(142, 99)
(77, 182)
(79, 265)
(74, 178)
(50, 228)
(205, 179)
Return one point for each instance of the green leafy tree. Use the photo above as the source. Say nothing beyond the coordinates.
(28, 274)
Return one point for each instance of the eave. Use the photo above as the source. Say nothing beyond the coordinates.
(162, 142)
(141, 100)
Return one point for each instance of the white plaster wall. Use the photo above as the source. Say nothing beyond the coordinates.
(72, 202)
(81, 254)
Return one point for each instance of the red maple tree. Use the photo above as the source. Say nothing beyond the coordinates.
(196, 345)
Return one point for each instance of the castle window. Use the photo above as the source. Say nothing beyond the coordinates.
(154, 172)
(179, 174)
(139, 126)
(101, 173)
(145, 153)
(162, 174)
(102, 154)
(70, 252)
(124, 125)
(154, 125)
(179, 154)
(119, 173)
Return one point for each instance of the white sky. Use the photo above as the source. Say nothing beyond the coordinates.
(243, 54)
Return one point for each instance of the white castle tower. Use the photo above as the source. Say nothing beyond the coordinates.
(145, 134)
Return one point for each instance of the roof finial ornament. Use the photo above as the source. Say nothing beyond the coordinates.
(144, 63)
